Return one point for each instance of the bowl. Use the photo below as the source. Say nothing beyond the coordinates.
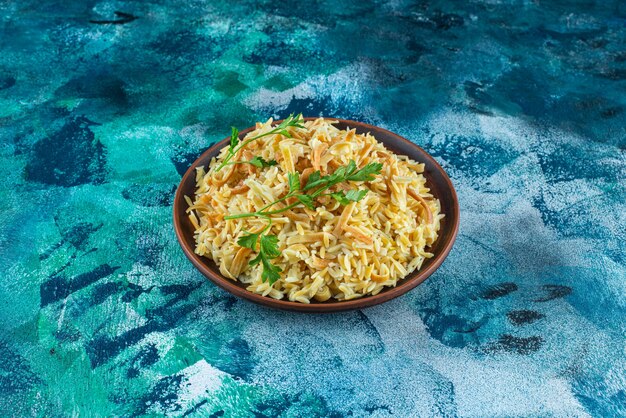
(436, 178)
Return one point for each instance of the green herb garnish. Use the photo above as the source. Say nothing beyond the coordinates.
(236, 144)
(317, 185)
(349, 197)
(268, 249)
(260, 162)
(257, 161)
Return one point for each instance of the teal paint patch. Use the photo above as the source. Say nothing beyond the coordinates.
(103, 107)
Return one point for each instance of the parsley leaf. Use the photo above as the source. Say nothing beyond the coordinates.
(356, 195)
(294, 182)
(269, 246)
(260, 162)
(340, 197)
(292, 121)
(315, 180)
(268, 249)
(344, 173)
(234, 138)
(306, 200)
(248, 241)
(270, 272)
(287, 122)
(366, 173)
(350, 168)
(256, 260)
(349, 196)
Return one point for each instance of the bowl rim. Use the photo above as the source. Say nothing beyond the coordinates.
(404, 285)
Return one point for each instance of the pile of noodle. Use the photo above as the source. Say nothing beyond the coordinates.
(334, 251)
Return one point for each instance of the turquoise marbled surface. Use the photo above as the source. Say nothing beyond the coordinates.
(522, 102)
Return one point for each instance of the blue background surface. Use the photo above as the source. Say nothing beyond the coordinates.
(523, 103)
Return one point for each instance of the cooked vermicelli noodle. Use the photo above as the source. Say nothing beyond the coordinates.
(334, 251)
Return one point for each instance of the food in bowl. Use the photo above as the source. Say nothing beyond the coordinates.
(307, 212)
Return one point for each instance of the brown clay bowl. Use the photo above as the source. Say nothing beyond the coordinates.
(437, 179)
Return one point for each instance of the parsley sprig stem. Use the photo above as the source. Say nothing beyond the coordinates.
(236, 144)
(261, 212)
